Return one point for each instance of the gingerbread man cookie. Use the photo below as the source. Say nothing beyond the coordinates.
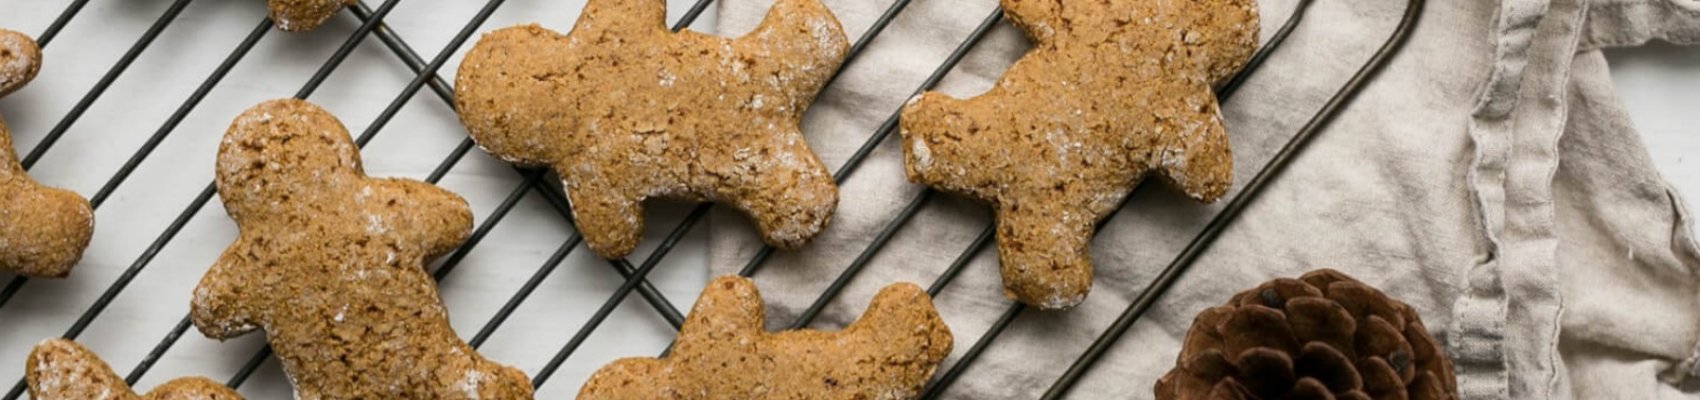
(1112, 91)
(625, 110)
(43, 230)
(304, 15)
(722, 352)
(330, 263)
(60, 369)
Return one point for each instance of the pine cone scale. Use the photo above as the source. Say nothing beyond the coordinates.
(1315, 319)
(1266, 372)
(1256, 326)
(1326, 364)
(1310, 389)
(1321, 336)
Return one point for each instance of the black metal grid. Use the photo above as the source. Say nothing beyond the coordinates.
(426, 75)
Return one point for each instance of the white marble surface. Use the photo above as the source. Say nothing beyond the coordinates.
(1661, 85)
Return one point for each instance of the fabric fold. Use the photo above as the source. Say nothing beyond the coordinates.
(1620, 23)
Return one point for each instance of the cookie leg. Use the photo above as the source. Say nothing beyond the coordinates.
(219, 308)
(436, 219)
(1221, 39)
(1196, 158)
(196, 388)
(943, 146)
(43, 230)
(609, 217)
(1044, 254)
(789, 195)
(821, 53)
(629, 379)
(902, 317)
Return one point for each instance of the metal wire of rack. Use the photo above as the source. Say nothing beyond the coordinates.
(427, 75)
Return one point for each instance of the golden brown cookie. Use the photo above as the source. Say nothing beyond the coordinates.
(330, 263)
(1112, 90)
(722, 352)
(43, 230)
(625, 110)
(60, 369)
(304, 15)
(1322, 336)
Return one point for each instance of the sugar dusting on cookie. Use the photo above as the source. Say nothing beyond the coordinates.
(1099, 105)
(330, 262)
(675, 115)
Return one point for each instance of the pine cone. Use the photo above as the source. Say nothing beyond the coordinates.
(1322, 336)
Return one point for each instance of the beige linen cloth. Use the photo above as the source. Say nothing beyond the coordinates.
(1489, 177)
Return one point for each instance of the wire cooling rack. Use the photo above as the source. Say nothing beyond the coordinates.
(427, 74)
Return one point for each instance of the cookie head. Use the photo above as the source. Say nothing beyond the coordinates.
(279, 155)
(330, 263)
(304, 15)
(625, 110)
(722, 352)
(60, 369)
(43, 230)
(1113, 91)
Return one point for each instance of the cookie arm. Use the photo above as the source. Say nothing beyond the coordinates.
(1195, 158)
(727, 317)
(425, 215)
(60, 369)
(902, 316)
(949, 144)
(220, 306)
(729, 308)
